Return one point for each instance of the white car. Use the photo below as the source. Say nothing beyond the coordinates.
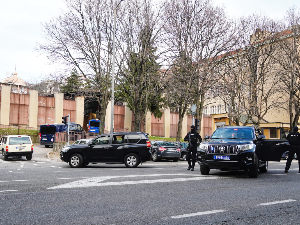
(16, 145)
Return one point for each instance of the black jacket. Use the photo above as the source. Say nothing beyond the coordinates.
(193, 136)
(294, 138)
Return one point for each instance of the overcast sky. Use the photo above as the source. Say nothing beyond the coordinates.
(21, 29)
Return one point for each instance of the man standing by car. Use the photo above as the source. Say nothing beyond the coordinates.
(294, 140)
(192, 137)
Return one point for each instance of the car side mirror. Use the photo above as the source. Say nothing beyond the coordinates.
(261, 137)
(207, 137)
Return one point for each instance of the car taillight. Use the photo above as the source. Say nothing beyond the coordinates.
(161, 149)
(6, 148)
(148, 144)
(89, 128)
(31, 147)
(40, 136)
(178, 149)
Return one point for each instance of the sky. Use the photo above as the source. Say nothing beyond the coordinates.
(21, 29)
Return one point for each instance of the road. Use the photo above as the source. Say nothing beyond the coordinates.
(48, 191)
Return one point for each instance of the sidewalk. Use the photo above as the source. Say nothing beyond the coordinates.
(42, 153)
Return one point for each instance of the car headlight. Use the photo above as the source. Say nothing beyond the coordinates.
(65, 149)
(203, 147)
(245, 147)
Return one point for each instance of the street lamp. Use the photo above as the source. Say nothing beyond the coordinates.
(113, 72)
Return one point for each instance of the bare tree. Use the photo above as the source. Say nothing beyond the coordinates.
(289, 61)
(250, 71)
(197, 32)
(81, 38)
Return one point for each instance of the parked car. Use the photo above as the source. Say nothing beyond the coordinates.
(130, 148)
(48, 132)
(82, 141)
(183, 149)
(16, 145)
(165, 150)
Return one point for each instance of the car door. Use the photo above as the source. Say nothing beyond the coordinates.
(271, 150)
(100, 149)
(117, 148)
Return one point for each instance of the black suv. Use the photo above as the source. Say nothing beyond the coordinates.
(130, 148)
(239, 148)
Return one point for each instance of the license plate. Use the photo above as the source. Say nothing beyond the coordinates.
(222, 157)
(44, 139)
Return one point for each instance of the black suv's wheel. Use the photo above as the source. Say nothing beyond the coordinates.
(154, 156)
(253, 172)
(204, 170)
(264, 168)
(131, 160)
(76, 160)
(29, 157)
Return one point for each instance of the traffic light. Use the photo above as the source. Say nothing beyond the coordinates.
(64, 119)
(197, 124)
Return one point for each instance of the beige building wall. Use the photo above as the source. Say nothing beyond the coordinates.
(127, 118)
(148, 123)
(184, 130)
(59, 107)
(79, 110)
(33, 108)
(167, 122)
(5, 105)
(108, 117)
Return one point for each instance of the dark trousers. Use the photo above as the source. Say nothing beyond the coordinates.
(291, 157)
(191, 157)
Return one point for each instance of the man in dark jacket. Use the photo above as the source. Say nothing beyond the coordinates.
(192, 137)
(294, 140)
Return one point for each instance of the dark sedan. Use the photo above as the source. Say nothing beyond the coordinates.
(165, 150)
(183, 149)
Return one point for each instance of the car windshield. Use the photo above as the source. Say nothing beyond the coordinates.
(167, 144)
(19, 140)
(233, 133)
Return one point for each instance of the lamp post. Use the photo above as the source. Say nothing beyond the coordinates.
(113, 72)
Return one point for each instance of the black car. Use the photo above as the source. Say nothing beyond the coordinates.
(183, 149)
(239, 148)
(130, 148)
(165, 150)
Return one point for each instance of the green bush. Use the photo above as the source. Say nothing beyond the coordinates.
(154, 138)
(14, 130)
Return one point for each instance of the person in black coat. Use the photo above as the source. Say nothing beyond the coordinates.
(192, 137)
(294, 140)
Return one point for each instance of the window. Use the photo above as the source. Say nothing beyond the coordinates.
(19, 140)
(133, 138)
(101, 140)
(48, 129)
(118, 139)
(273, 133)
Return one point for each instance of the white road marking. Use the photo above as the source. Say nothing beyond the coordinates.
(3, 181)
(197, 214)
(7, 191)
(20, 180)
(278, 202)
(65, 178)
(98, 181)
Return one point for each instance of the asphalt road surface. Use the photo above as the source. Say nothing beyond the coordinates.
(48, 191)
